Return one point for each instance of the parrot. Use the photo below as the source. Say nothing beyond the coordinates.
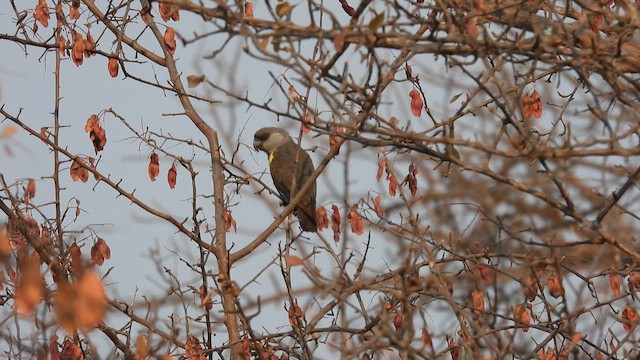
(290, 167)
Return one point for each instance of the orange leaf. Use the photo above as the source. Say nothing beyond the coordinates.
(71, 351)
(100, 251)
(172, 176)
(554, 282)
(81, 304)
(521, 315)
(154, 167)
(77, 49)
(89, 46)
(355, 221)
(113, 66)
(29, 287)
(322, 219)
(530, 287)
(416, 102)
(170, 40)
(142, 347)
(484, 272)
(229, 222)
(41, 13)
(477, 299)
(382, 163)
(295, 313)
(629, 318)
(248, 10)
(74, 13)
(293, 260)
(531, 105)
(426, 338)
(614, 284)
(398, 321)
(393, 185)
(472, 28)
(9, 131)
(335, 222)
(31, 189)
(378, 207)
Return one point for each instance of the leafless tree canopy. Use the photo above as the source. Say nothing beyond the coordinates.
(476, 165)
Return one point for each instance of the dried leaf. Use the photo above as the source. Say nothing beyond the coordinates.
(77, 49)
(31, 189)
(248, 10)
(338, 40)
(295, 313)
(322, 218)
(477, 299)
(142, 347)
(398, 321)
(283, 9)
(100, 251)
(484, 272)
(71, 351)
(81, 304)
(229, 222)
(193, 350)
(531, 287)
(378, 207)
(335, 223)
(169, 12)
(629, 318)
(172, 176)
(347, 8)
(113, 66)
(393, 185)
(554, 283)
(472, 28)
(29, 289)
(376, 22)
(74, 13)
(154, 166)
(41, 13)
(416, 102)
(170, 40)
(54, 351)
(89, 46)
(382, 164)
(293, 260)
(426, 338)
(195, 80)
(531, 105)
(355, 221)
(521, 314)
(614, 284)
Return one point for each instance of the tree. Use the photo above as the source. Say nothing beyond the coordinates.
(476, 166)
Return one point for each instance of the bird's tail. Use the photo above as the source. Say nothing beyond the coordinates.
(307, 217)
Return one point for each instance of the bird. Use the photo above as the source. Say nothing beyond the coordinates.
(290, 168)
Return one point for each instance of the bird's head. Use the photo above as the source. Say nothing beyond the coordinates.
(269, 138)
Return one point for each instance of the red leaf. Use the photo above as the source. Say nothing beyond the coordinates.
(355, 221)
(416, 102)
(113, 66)
(614, 283)
(335, 222)
(248, 10)
(154, 166)
(172, 176)
(378, 207)
(322, 219)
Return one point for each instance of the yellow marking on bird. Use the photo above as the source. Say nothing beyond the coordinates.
(271, 156)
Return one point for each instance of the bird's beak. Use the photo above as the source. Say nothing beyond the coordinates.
(256, 145)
